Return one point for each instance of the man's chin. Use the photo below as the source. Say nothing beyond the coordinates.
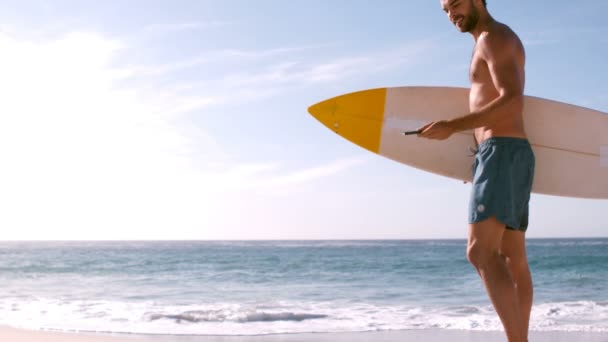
(463, 29)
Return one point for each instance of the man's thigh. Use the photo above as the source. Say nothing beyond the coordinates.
(487, 234)
(513, 246)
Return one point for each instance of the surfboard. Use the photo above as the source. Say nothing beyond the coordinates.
(570, 143)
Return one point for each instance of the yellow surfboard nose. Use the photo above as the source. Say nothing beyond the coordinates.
(356, 116)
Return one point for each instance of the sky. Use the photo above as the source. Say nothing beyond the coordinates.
(149, 119)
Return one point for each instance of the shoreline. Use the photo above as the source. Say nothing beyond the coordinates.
(428, 335)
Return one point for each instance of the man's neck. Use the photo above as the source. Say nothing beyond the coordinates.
(485, 20)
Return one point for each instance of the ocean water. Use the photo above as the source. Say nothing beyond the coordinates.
(275, 287)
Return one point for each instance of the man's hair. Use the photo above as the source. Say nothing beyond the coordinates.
(484, 3)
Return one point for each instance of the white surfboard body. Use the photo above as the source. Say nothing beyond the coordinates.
(570, 143)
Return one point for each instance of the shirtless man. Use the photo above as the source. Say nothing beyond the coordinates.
(504, 163)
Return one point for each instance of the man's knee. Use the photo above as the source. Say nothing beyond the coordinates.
(480, 256)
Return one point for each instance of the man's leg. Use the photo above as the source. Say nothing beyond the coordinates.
(514, 249)
(483, 251)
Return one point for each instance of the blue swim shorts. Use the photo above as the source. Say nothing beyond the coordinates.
(503, 172)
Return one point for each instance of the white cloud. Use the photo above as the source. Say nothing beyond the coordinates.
(268, 178)
(296, 72)
(281, 69)
(218, 56)
(314, 173)
(83, 156)
(188, 26)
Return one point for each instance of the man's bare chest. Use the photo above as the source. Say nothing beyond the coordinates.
(478, 70)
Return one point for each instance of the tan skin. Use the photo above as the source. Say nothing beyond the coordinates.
(497, 80)
(496, 105)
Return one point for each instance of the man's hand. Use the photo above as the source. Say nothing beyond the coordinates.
(438, 130)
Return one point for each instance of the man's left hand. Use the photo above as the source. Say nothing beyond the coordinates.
(438, 130)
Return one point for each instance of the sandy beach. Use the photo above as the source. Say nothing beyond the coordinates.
(429, 335)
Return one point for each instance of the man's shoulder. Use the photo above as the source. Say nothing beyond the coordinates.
(498, 38)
